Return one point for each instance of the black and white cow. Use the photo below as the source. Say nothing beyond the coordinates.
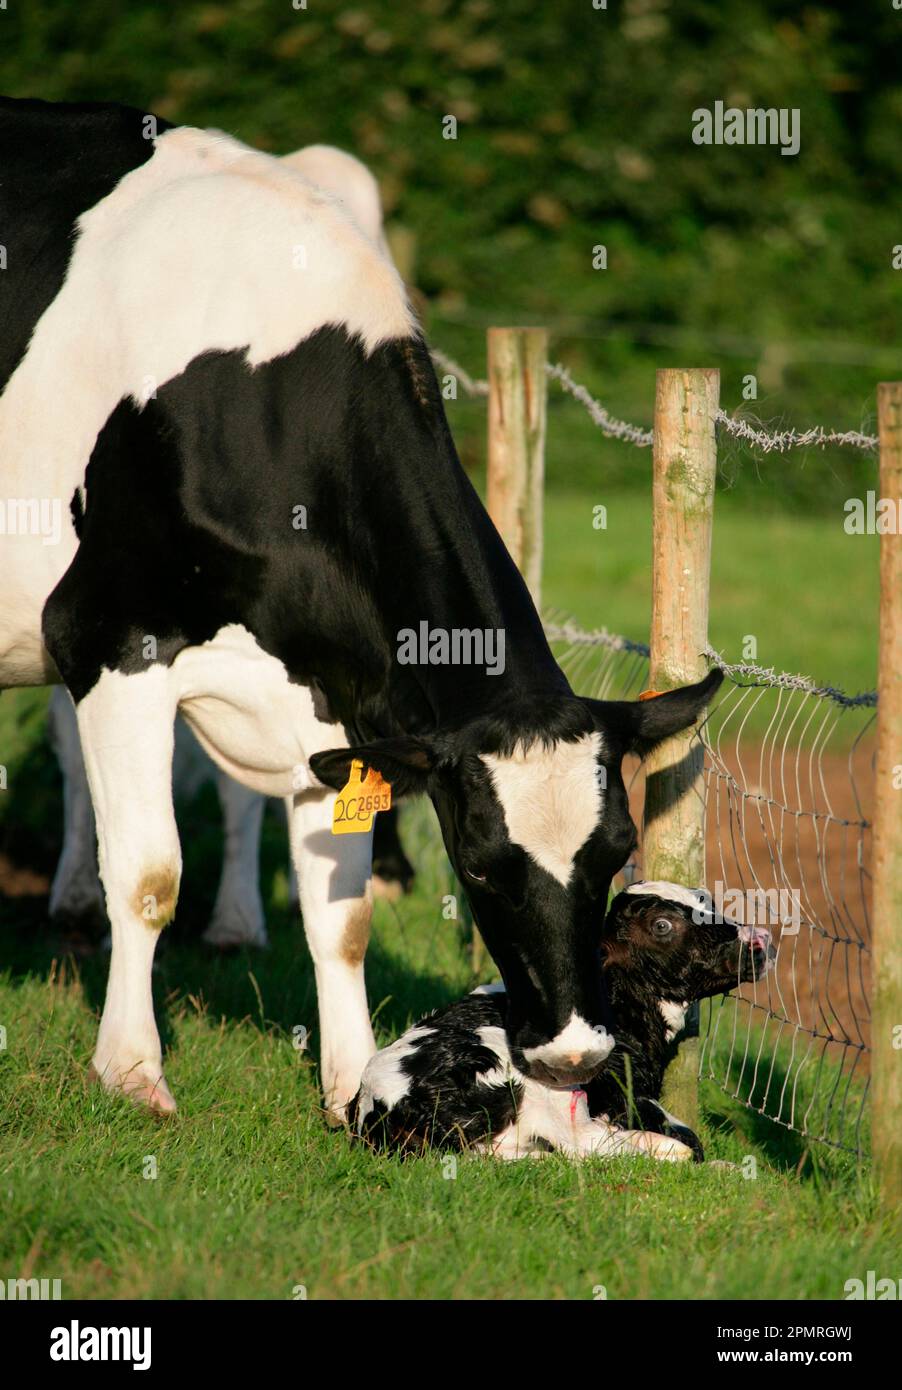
(77, 904)
(451, 1082)
(229, 489)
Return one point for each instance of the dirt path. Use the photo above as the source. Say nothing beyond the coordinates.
(799, 832)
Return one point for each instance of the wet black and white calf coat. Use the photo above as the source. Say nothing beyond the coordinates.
(216, 373)
(450, 1081)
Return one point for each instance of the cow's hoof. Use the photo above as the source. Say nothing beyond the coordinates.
(231, 935)
(142, 1084)
(337, 1099)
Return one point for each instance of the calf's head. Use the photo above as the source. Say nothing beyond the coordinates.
(674, 948)
(536, 822)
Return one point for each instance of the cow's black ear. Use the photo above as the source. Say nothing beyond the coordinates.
(639, 724)
(405, 762)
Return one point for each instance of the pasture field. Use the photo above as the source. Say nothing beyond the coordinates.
(253, 1197)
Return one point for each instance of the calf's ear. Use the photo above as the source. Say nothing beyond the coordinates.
(640, 724)
(406, 763)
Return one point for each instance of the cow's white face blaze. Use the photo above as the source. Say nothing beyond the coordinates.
(551, 799)
(536, 834)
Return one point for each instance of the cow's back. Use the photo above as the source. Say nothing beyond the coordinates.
(57, 160)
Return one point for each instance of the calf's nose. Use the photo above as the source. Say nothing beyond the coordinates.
(757, 937)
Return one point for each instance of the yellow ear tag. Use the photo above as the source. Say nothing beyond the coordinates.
(651, 694)
(359, 800)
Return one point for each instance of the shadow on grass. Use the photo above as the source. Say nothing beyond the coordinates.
(784, 1149)
(273, 988)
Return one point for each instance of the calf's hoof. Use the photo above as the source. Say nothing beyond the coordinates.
(659, 1146)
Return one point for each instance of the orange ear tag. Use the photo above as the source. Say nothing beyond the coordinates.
(359, 800)
(651, 694)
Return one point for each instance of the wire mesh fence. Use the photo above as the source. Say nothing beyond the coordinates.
(788, 771)
(789, 794)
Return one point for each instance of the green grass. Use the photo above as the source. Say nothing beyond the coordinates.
(804, 589)
(255, 1196)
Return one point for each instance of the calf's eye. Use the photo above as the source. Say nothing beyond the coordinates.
(475, 876)
(661, 926)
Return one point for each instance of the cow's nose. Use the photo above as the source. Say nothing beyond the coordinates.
(575, 1070)
(573, 1056)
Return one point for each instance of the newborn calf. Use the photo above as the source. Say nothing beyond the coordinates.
(450, 1081)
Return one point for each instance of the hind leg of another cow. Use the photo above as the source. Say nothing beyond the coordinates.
(393, 872)
(126, 726)
(76, 894)
(336, 901)
(238, 918)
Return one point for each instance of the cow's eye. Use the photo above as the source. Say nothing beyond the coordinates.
(475, 876)
(661, 926)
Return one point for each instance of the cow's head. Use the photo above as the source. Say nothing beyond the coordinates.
(536, 822)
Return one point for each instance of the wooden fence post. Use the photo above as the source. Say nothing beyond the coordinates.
(518, 392)
(515, 485)
(685, 463)
(886, 1096)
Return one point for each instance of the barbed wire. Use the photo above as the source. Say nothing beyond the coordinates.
(613, 428)
(575, 636)
(752, 674)
(781, 440)
(746, 673)
(766, 440)
(471, 385)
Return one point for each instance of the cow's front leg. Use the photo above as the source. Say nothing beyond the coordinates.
(126, 726)
(334, 873)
